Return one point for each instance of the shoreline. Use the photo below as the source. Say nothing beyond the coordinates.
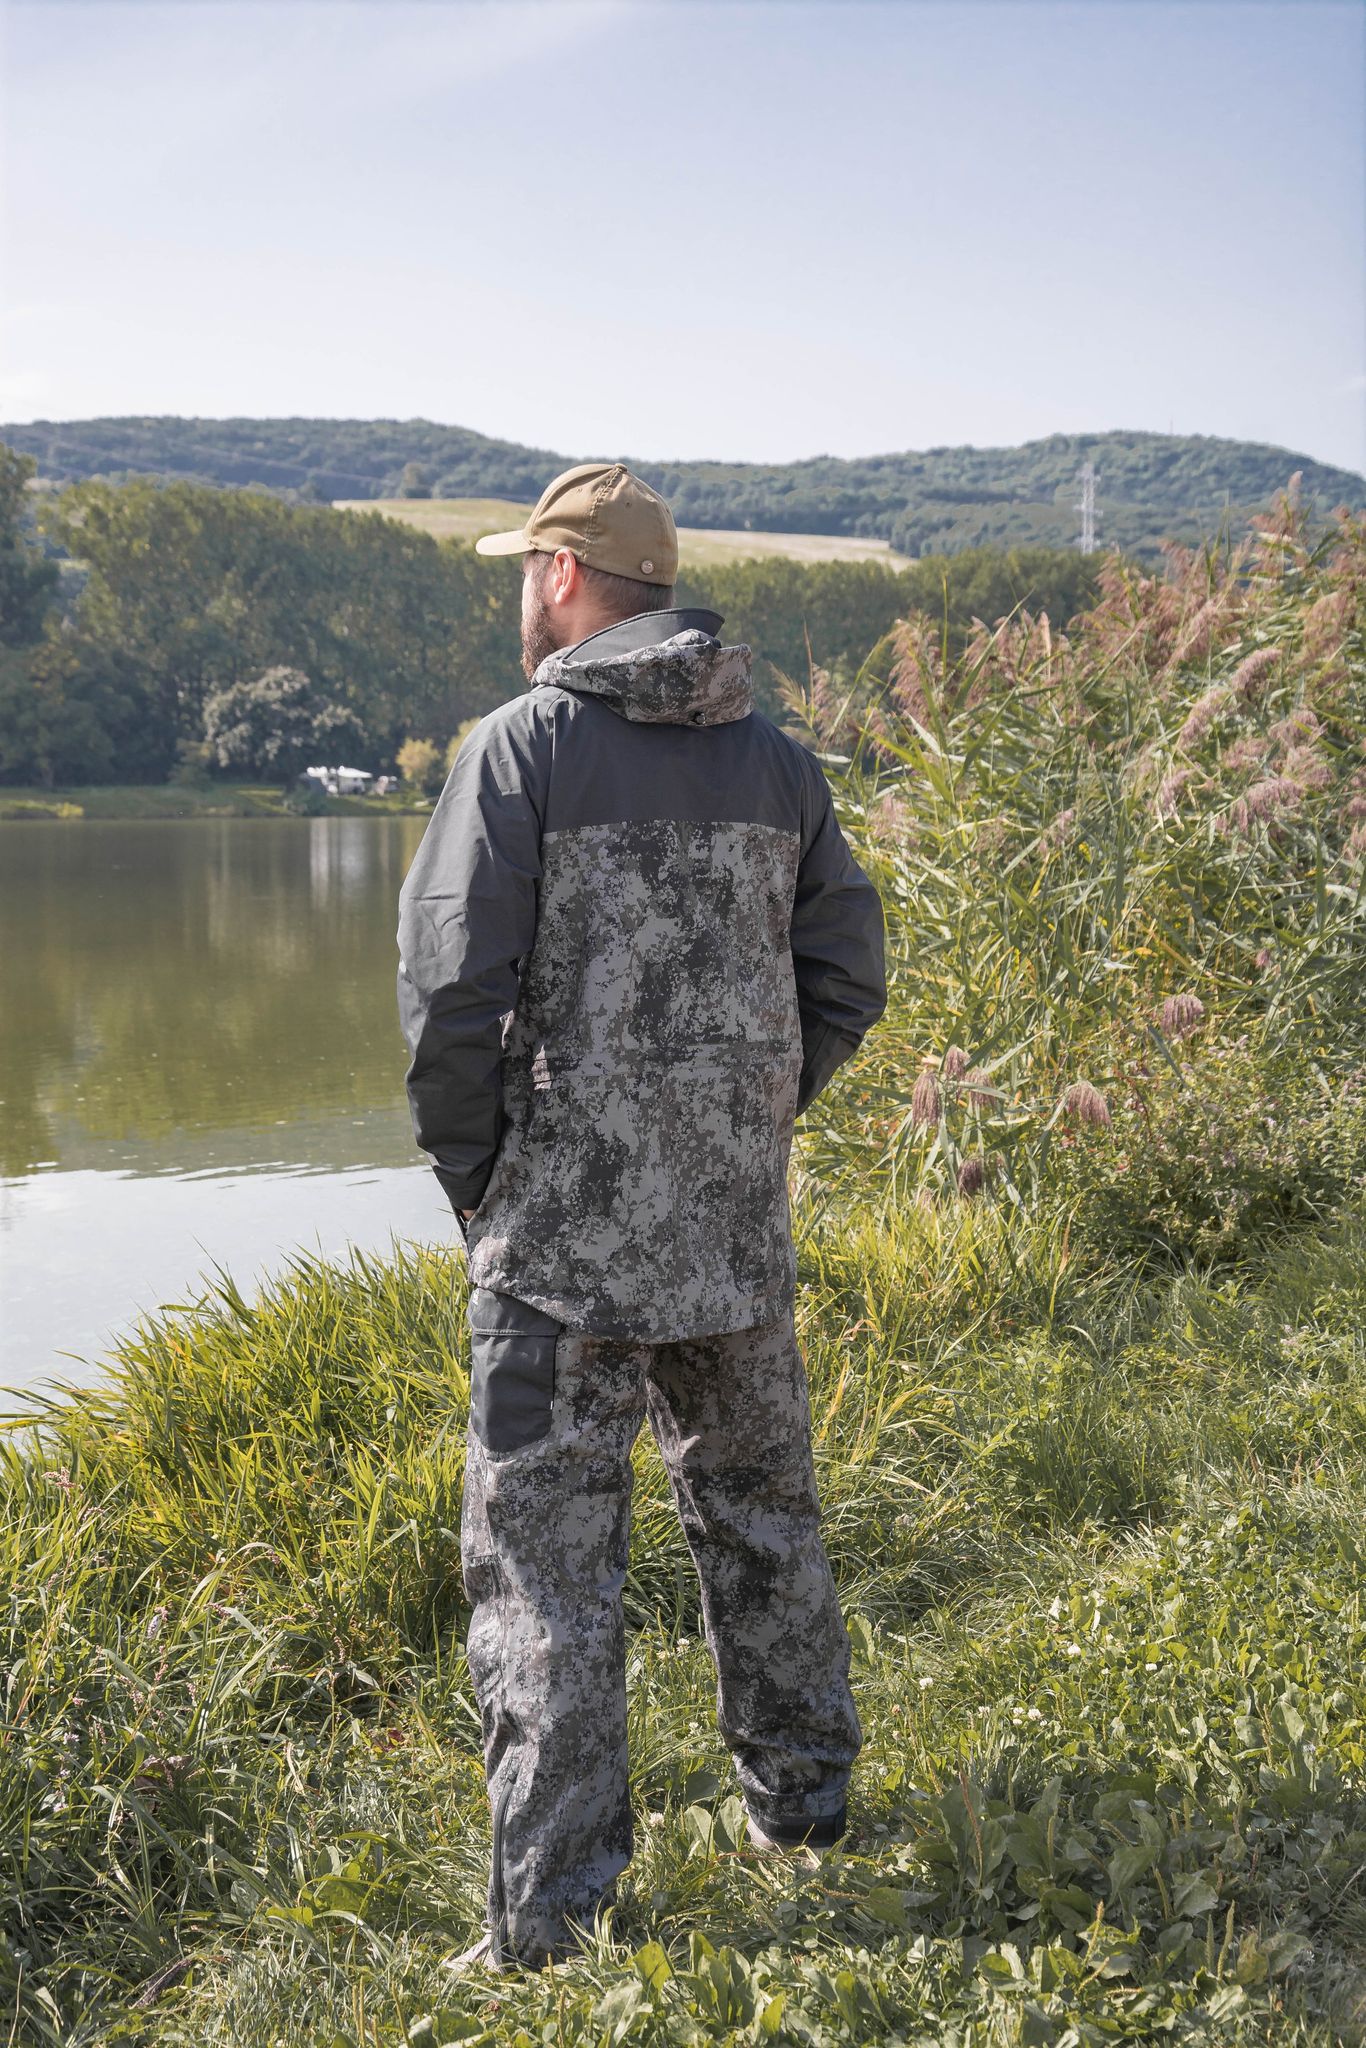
(139, 802)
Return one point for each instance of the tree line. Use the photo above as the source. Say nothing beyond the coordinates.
(1152, 486)
(149, 629)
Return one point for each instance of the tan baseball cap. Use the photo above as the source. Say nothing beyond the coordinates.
(606, 517)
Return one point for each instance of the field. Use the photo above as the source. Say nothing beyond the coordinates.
(698, 547)
(1082, 1259)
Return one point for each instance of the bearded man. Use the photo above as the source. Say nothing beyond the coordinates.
(634, 945)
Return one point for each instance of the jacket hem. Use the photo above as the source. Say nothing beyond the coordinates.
(746, 1315)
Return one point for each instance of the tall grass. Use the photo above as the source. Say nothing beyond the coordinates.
(1090, 1421)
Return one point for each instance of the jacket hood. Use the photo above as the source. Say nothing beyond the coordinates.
(659, 668)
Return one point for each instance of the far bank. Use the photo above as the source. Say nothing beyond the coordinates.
(173, 800)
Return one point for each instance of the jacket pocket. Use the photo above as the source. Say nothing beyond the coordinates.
(512, 1371)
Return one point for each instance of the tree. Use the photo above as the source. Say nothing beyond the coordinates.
(202, 589)
(422, 765)
(27, 580)
(415, 481)
(275, 726)
(60, 721)
(457, 740)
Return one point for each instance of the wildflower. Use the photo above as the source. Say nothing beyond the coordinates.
(1074, 1649)
(925, 1684)
(1086, 1104)
(1035, 1714)
(955, 1062)
(925, 1101)
(972, 1175)
(1202, 715)
(1264, 957)
(1180, 1015)
(1248, 679)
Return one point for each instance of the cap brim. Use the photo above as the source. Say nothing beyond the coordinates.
(502, 543)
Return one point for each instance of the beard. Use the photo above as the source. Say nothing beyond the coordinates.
(538, 636)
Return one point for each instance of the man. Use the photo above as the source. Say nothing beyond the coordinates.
(633, 947)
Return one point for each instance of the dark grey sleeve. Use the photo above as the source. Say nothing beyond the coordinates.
(467, 917)
(837, 946)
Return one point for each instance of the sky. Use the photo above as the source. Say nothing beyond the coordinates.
(747, 229)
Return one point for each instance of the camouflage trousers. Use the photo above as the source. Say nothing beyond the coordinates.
(553, 1415)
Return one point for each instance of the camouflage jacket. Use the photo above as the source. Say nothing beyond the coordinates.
(633, 945)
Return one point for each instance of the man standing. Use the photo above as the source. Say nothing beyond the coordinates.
(633, 946)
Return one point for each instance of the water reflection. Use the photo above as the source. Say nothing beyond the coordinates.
(206, 1004)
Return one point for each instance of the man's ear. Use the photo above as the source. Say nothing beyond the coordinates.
(564, 581)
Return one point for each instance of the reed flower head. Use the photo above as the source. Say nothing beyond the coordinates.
(1327, 623)
(1203, 713)
(890, 820)
(1297, 726)
(1247, 752)
(955, 1063)
(1170, 792)
(1180, 1015)
(1306, 766)
(925, 1101)
(1196, 634)
(972, 1175)
(1249, 678)
(980, 1093)
(1276, 793)
(1086, 1103)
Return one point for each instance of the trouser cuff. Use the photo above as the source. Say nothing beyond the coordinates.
(797, 1831)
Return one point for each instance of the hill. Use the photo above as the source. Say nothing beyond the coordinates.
(938, 499)
(698, 546)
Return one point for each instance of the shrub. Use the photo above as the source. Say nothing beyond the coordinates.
(421, 764)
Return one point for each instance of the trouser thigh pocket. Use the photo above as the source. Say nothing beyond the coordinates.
(512, 1371)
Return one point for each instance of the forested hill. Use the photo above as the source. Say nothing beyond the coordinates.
(1149, 485)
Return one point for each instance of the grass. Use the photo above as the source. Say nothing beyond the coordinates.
(185, 800)
(1091, 1438)
(698, 546)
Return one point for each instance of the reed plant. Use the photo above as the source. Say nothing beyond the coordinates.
(1082, 1260)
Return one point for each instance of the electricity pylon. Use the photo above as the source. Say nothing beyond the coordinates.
(1087, 508)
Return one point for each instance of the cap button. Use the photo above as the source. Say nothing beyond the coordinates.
(647, 566)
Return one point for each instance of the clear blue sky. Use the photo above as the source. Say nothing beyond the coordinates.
(744, 228)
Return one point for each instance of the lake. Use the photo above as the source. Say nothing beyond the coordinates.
(200, 1064)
